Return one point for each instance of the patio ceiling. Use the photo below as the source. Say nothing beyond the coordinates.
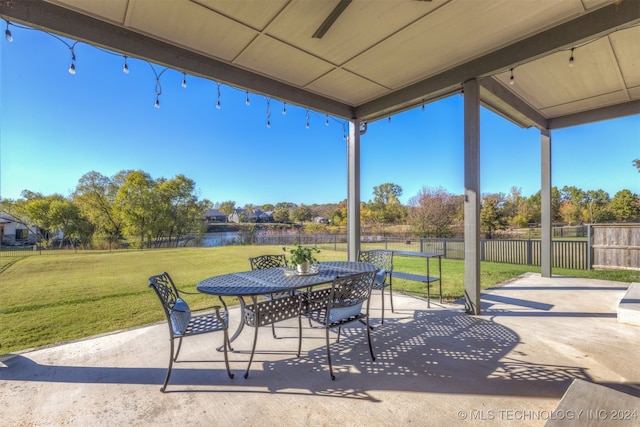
(380, 57)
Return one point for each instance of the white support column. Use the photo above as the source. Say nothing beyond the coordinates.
(353, 190)
(546, 255)
(472, 196)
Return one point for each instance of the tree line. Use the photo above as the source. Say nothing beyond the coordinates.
(148, 212)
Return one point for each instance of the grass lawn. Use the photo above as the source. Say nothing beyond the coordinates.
(53, 298)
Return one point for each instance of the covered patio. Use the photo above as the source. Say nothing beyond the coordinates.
(546, 64)
(435, 366)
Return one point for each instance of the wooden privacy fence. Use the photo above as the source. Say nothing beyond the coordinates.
(615, 246)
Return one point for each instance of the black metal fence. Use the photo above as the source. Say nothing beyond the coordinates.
(566, 254)
(571, 254)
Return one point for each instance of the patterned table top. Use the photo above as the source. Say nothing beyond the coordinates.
(273, 280)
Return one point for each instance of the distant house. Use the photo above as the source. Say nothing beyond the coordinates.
(321, 220)
(213, 215)
(255, 215)
(236, 215)
(14, 232)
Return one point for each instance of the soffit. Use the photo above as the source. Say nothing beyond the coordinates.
(379, 57)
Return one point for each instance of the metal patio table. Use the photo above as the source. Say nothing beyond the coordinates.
(274, 280)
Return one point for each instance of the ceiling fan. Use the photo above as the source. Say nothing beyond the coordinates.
(333, 16)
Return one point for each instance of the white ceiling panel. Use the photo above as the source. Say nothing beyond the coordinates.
(253, 13)
(192, 26)
(347, 87)
(581, 105)
(346, 38)
(626, 47)
(454, 34)
(282, 62)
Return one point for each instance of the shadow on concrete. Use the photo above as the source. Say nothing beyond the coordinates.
(425, 351)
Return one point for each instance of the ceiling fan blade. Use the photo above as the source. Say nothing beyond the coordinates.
(328, 22)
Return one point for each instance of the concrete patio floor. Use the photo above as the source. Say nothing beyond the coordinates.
(435, 366)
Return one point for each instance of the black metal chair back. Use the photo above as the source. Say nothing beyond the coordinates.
(267, 261)
(383, 259)
(344, 305)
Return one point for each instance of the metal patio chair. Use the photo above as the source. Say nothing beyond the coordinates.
(270, 261)
(383, 259)
(342, 306)
(184, 323)
(269, 311)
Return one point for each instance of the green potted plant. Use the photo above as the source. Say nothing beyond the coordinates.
(301, 257)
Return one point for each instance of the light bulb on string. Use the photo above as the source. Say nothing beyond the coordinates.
(218, 105)
(7, 33)
(246, 100)
(184, 80)
(571, 58)
(72, 67)
(307, 119)
(512, 81)
(158, 85)
(423, 105)
(125, 67)
(284, 108)
(389, 119)
(326, 120)
(268, 113)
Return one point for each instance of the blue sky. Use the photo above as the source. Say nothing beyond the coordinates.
(55, 127)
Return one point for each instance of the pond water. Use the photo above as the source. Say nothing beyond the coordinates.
(222, 238)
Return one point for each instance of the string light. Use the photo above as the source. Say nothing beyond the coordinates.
(184, 80)
(512, 81)
(389, 119)
(307, 118)
(571, 58)
(326, 120)
(72, 67)
(269, 113)
(218, 105)
(246, 101)
(156, 104)
(284, 108)
(423, 105)
(7, 33)
(125, 67)
(344, 132)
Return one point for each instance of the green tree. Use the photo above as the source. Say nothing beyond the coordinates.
(386, 207)
(574, 200)
(135, 202)
(625, 205)
(596, 203)
(282, 211)
(227, 207)
(302, 214)
(492, 215)
(636, 163)
(180, 211)
(64, 215)
(535, 205)
(94, 195)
